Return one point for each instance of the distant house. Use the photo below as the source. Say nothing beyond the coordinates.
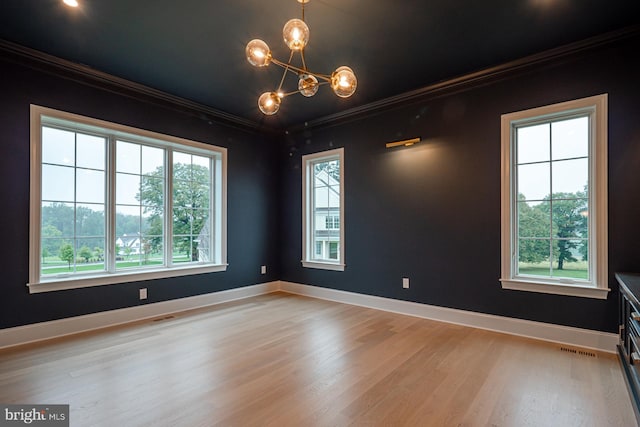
(131, 241)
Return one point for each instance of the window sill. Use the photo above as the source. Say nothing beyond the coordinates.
(60, 283)
(323, 265)
(575, 290)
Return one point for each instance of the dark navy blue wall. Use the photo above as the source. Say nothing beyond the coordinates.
(253, 194)
(431, 212)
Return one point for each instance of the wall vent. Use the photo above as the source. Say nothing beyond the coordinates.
(579, 352)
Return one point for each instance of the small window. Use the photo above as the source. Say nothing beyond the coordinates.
(554, 199)
(323, 213)
(332, 222)
(112, 204)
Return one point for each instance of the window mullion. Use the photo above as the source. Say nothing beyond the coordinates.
(211, 212)
(75, 202)
(550, 200)
(168, 208)
(314, 203)
(592, 193)
(35, 188)
(110, 211)
(514, 214)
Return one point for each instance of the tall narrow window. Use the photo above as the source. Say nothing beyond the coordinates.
(111, 203)
(323, 210)
(554, 199)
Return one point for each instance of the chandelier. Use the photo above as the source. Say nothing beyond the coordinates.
(296, 36)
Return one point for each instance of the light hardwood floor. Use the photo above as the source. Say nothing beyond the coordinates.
(285, 360)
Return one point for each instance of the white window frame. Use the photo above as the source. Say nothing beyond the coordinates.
(38, 283)
(308, 215)
(597, 287)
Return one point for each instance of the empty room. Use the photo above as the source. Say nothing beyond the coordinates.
(319, 213)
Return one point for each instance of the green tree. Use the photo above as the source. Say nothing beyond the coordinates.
(146, 250)
(45, 253)
(127, 224)
(568, 223)
(85, 253)
(533, 222)
(190, 206)
(98, 252)
(51, 240)
(60, 219)
(89, 222)
(66, 253)
(60, 216)
(332, 168)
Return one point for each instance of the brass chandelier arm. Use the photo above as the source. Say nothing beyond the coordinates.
(298, 70)
(286, 68)
(284, 95)
(304, 64)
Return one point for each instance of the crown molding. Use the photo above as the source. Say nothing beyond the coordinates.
(471, 80)
(92, 77)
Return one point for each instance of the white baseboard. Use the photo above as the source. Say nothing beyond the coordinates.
(585, 338)
(19, 335)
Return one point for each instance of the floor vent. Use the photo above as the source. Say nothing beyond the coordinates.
(578, 352)
(160, 319)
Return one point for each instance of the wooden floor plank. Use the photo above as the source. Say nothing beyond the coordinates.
(285, 360)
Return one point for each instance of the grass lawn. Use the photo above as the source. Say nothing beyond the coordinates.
(574, 270)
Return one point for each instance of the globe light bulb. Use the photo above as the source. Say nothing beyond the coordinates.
(296, 34)
(308, 85)
(269, 103)
(344, 82)
(258, 53)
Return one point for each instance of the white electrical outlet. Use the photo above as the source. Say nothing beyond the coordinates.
(143, 293)
(263, 269)
(405, 282)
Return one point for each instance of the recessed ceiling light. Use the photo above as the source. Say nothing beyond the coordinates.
(72, 3)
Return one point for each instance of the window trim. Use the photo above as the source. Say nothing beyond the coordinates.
(596, 106)
(37, 283)
(307, 175)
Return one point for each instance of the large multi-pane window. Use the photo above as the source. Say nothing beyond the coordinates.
(323, 213)
(112, 203)
(554, 198)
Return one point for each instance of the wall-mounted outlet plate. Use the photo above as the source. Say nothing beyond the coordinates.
(263, 269)
(143, 293)
(405, 282)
